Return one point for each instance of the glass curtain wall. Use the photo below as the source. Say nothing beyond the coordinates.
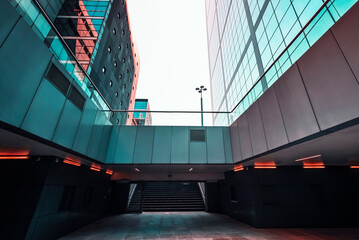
(245, 38)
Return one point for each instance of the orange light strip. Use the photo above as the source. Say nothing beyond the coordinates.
(109, 171)
(308, 158)
(95, 168)
(238, 168)
(14, 157)
(314, 166)
(72, 162)
(354, 166)
(264, 167)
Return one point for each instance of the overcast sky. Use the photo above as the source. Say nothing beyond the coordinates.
(172, 44)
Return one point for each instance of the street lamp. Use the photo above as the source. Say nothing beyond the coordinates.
(200, 90)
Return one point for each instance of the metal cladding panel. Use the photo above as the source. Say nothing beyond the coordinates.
(96, 134)
(346, 33)
(162, 145)
(236, 146)
(112, 144)
(227, 145)
(67, 127)
(22, 65)
(144, 145)
(180, 145)
(244, 136)
(44, 112)
(215, 145)
(331, 85)
(197, 152)
(104, 142)
(8, 18)
(295, 106)
(272, 119)
(125, 145)
(84, 130)
(256, 131)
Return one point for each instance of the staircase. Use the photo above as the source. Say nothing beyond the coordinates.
(172, 196)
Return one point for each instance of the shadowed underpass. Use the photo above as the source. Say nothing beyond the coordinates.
(196, 225)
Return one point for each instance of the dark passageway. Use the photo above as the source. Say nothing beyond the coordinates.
(196, 225)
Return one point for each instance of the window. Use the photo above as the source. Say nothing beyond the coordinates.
(114, 31)
(111, 83)
(126, 45)
(119, 47)
(120, 76)
(103, 69)
(121, 102)
(117, 121)
(118, 15)
(123, 60)
(123, 32)
(109, 49)
(116, 94)
(115, 64)
(124, 86)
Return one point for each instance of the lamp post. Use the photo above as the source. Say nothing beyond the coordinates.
(200, 90)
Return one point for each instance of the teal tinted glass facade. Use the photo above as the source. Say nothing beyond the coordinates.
(142, 118)
(140, 105)
(246, 38)
(28, 10)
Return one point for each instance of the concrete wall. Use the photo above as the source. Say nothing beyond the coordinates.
(45, 199)
(291, 197)
(164, 145)
(320, 91)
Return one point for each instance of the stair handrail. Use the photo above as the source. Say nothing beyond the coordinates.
(202, 192)
(132, 191)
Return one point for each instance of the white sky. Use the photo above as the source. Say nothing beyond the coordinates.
(172, 44)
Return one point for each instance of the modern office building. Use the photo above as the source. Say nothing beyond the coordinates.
(142, 118)
(287, 157)
(246, 37)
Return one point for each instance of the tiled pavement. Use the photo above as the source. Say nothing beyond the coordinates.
(196, 225)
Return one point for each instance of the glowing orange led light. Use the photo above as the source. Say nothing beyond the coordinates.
(238, 168)
(108, 171)
(354, 166)
(265, 165)
(95, 168)
(76, 163)
(314, 166)
(14, 157)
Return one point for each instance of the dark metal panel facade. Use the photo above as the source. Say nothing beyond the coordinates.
(236, 146)
(244, 137)
(256, 130)
(272, 119)
(295, 106)
(331, 85)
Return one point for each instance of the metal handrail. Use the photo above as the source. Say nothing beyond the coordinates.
(38, 5)
(202, 193)
(131, 195)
